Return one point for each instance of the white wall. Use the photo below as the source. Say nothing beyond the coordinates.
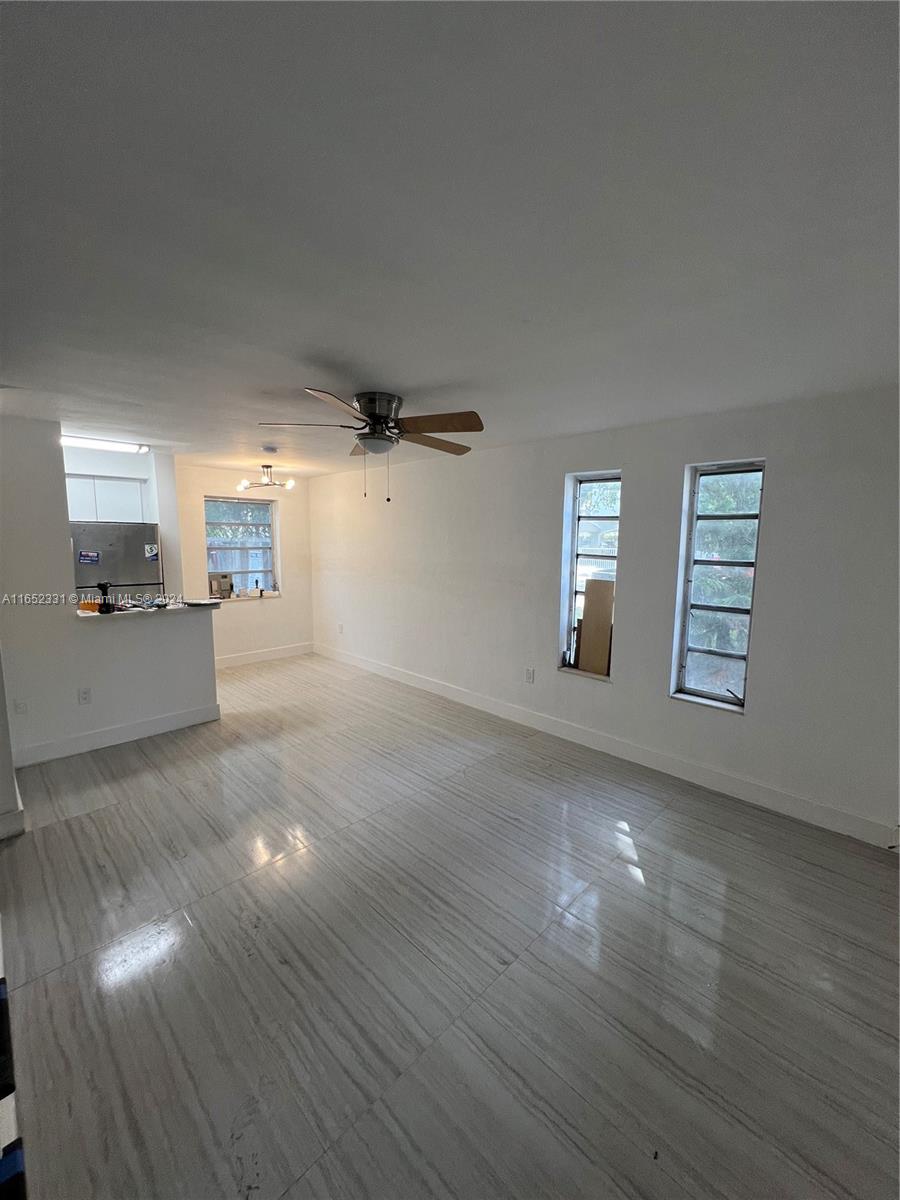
(146, 673)
(250, 629)
(459, 580)
(169, 523)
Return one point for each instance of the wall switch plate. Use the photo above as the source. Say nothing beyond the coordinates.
(20, 707)
(84, 695)
(529, 674)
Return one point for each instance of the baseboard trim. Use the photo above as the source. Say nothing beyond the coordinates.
(750, 790)
(252, 656)
(12, 823)
(113, 735)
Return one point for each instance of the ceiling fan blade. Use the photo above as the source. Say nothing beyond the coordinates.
(336, 402)
(454, 422)
(357, 449)
(302, 425)
(421, 439)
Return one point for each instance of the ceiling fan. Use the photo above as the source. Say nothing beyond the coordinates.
(380, 427)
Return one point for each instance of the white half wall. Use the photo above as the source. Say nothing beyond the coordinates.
(455, 586)
(146, 673)
(248, 630)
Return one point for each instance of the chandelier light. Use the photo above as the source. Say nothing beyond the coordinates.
(265, 480)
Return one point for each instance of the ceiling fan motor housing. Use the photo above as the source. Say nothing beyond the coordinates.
(378, 407)
(381, 410)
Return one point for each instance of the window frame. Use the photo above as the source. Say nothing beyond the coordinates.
(571, 555)
(275, 547)
(695, 473)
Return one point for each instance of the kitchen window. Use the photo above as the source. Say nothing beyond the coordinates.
(590, 552)
(240, 540)
(722, 535)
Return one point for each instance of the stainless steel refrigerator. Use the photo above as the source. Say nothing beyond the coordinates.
(128, 554)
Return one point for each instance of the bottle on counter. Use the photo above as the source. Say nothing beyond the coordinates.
(106, 605)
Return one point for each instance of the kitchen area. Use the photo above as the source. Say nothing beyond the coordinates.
(114, 526)
(82, 672)
(77, 679)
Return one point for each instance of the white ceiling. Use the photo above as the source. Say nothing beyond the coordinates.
(568, 216)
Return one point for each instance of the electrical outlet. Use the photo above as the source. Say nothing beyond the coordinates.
(84, 695)
(340, 626)
(20, 707)
(529, 674)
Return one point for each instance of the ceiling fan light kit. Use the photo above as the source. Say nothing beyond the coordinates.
(376, 443)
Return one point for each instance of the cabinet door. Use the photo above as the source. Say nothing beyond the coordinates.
(82, 502)
(119, 500)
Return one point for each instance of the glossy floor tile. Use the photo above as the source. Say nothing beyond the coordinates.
(144, 1079)
(554, 847)
(481, 1116)
(469, 917)
(82, 783)
(362, 942)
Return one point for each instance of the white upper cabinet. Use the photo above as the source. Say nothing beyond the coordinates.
(82, 502)
(118, 499)
(92, 498)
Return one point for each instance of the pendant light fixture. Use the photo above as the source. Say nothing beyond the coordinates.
(265, 480)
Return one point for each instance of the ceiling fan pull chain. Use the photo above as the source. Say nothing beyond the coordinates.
(388, 496)
(365, 481)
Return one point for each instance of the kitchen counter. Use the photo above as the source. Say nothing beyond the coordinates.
(152, 612)
(125, 675)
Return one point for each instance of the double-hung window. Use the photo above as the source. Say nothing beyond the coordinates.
(591, 547)
(240, 540)
(719, 575)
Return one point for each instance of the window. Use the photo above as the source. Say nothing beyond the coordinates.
(239, 540)
(590, 549)
(719, 575)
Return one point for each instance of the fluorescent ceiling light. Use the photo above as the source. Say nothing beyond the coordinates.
(86, 443)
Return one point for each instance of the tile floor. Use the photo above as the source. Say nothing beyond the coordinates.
(356, 941)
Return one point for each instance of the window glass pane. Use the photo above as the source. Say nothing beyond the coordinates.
(247, 579)
(599, 497)
(238, 560)
(726, 539)
(725, 586)
(719, 631)
(579, 605)
(598, 537)
(593, 568)
(221, 534)
(722, 493)
(709, 673)
(239, 541)
(239, 511)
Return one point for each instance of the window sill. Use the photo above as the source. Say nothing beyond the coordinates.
(243, 599)
(721, 705)
(584, 674)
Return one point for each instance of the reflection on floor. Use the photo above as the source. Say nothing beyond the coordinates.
(357, 941)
